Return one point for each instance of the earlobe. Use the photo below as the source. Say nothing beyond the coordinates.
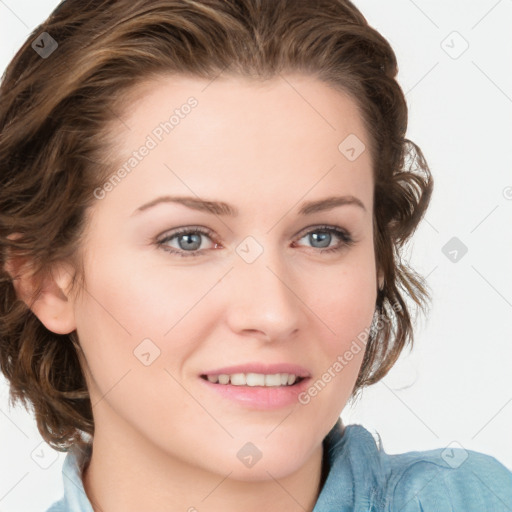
(53, 306)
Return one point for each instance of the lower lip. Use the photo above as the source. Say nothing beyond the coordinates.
(260, 397)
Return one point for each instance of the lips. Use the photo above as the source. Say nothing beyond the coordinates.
(257, 397)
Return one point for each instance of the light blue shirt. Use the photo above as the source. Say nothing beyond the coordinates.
(362, 477)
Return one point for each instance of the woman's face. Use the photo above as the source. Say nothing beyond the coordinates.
(162, 310)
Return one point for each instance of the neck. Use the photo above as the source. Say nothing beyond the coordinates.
(128, 473)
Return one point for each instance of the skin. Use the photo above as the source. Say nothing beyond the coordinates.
(163, 441)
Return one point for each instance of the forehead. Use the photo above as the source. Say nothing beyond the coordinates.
(293, 134)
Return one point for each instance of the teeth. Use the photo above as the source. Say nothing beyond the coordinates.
(273, 380)
(224, 379)
(255, 379)
(237, 379)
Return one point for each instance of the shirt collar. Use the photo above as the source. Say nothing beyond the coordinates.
(354, 461)
(75, 499)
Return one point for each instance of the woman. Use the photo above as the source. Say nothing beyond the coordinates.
(167, 169)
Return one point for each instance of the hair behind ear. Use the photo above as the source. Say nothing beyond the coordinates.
(44, 291)
(60, 401)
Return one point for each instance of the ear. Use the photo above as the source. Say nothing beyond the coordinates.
(53, 306)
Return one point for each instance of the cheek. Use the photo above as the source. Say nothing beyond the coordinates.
(127, 309)
(344, 298)
(131, 367)
(346, 309)
(129, 295)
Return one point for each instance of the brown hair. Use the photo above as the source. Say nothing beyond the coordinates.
(54, 151)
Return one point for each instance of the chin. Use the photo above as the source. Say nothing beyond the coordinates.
(252, 461)
(263, 470)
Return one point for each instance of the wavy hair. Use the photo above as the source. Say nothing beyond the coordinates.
(55, 150)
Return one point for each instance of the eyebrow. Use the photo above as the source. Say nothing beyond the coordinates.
(224, 209)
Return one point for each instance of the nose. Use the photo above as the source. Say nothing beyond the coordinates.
(263, 298)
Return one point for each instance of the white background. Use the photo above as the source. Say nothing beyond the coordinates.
(456, 385)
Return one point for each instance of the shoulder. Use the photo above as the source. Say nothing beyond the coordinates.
(451, 479)
(364, 477)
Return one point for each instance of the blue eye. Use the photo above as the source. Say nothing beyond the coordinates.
(192, 241)
(326, 233)
(189, 240)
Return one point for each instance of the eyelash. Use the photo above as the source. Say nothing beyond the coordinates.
(346, 239)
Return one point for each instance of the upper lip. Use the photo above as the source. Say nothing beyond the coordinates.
(268, 369)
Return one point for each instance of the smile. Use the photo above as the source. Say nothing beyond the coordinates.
(254, 379)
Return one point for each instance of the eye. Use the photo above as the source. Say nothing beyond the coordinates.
(325, 238)
(189, 240)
